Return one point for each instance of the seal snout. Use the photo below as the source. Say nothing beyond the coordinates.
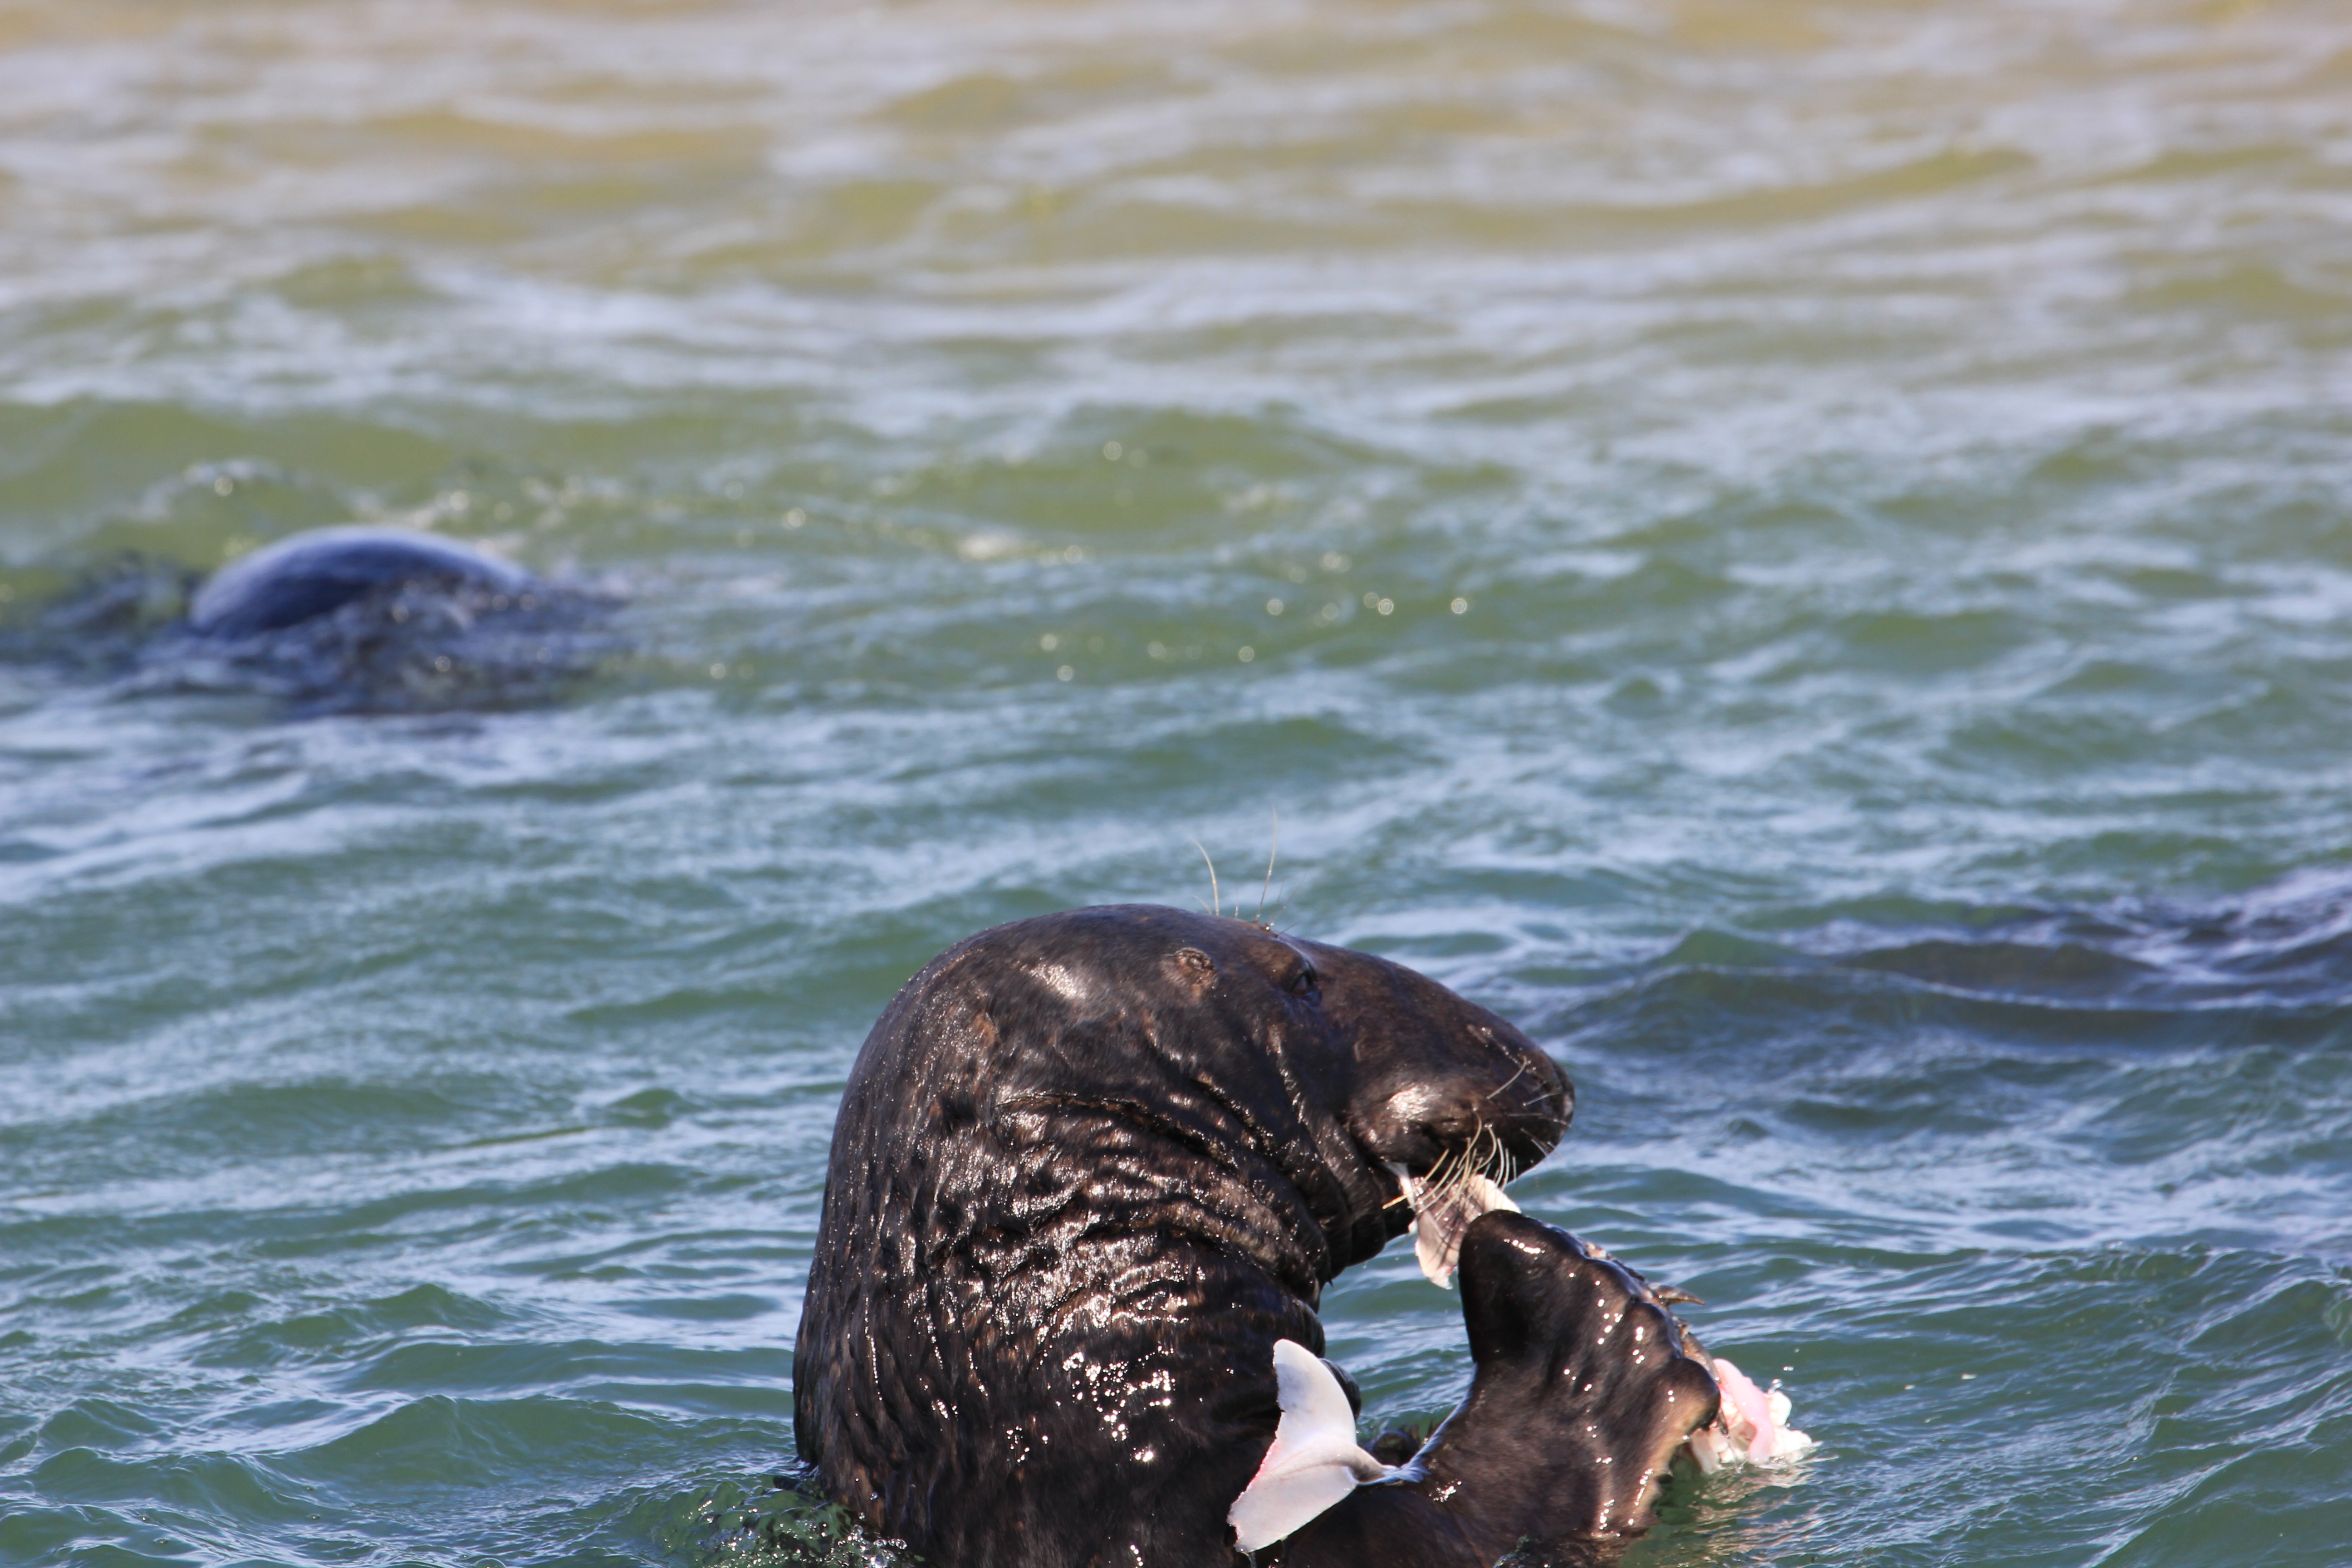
(1525, 1119)
(1467, 1117)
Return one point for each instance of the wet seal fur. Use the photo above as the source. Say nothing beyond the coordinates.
(315, 573)
(1090, 1168)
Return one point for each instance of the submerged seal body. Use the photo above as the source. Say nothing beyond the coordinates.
(1090, 1169)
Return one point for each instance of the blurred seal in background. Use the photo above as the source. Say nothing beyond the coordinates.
(351, 620)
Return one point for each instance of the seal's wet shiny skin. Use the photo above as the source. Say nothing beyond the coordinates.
(1091, 1167)
(317, 572)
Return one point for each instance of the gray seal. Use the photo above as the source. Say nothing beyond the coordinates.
(1090, 1169)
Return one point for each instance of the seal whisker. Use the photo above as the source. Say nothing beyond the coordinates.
(1507, 1083)
(1457, 1181)
(1217, 902)
(1271, 850)
(1445, 1175)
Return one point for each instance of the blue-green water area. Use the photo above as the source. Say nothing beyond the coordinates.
(1803, 551)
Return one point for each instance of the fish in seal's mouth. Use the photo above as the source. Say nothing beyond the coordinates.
(1465, 1181)
(1445, 1202)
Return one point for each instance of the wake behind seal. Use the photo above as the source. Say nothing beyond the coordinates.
(1090, 1174)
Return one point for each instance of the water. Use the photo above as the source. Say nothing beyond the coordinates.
(1814, 573)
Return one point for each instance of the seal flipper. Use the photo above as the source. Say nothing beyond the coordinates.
(1315, 1461)
(1583, 1394)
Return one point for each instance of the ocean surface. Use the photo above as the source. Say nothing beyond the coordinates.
(1800, 549)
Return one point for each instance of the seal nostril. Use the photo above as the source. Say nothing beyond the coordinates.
(1455, 1124)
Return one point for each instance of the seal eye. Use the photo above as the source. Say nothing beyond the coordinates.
(1303, 984)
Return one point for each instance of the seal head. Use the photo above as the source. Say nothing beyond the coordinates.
(317, 572)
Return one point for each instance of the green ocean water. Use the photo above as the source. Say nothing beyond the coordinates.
(1801, 550)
